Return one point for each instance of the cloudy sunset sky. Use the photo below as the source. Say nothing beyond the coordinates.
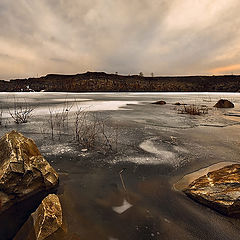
(167, 37)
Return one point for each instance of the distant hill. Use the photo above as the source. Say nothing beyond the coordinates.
(103, 82)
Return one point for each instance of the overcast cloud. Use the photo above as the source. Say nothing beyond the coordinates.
(167, 37)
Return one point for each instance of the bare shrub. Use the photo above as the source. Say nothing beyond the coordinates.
(43, 130)
(51, 123)
(193, 110)
(21, 112)
(1, 115)
(79, 124)
(87, 128)
(58, 120)
(92, 131)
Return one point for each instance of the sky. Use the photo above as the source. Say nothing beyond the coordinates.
(164, 37)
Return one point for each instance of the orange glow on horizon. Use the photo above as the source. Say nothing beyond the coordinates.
(226, 69)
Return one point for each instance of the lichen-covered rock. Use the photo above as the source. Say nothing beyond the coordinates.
(218, 189)
(45, 223)
(23, 170)
(224, 103)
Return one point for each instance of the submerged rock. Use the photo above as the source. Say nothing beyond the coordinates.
(177, 103)
(224, 103)
(219, 190)
(23, 170)
(161, 102)
(45, 223)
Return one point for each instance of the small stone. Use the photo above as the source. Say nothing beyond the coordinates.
(161, 102)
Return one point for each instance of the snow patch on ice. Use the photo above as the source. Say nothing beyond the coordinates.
(57, 149)
(124, 207)
(180, 149)
(89, 106)
(148, 146)
(161, 155)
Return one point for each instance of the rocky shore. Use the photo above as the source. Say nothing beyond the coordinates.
(103, 82)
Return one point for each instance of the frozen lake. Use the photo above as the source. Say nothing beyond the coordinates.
(154, 144)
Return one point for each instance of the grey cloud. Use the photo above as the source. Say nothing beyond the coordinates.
(63, 36)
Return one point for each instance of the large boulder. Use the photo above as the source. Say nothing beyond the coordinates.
(224, 103)
(23, 170)
(219, 190)
(45, 223)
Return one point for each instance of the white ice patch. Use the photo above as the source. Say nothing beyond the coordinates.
(175, 162)
(162, 156)
(124, 207)
(148, 146)
(75, 102)
(101, 105)
(180, 149)
(28, 100)
(57, 149)
(89, 106)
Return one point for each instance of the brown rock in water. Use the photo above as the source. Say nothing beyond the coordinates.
(160, 102)
(224, 103)
(219, 190)
(23, 170)
(45, 223)
(48, 217)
